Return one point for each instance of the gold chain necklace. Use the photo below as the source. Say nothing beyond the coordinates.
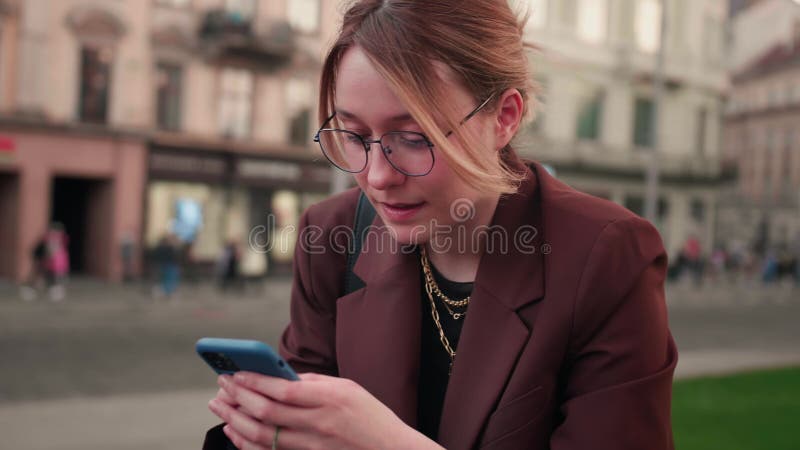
(445, 342)
(430, 284)
(429, 280)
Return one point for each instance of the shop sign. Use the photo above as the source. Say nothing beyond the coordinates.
(8, 148)
(270, 170)
(319, 174)
(187, 164)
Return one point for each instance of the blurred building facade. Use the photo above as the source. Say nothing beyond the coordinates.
(133, 118)
(737, 6)
(596, 67)
(757, 27)
(140, 117)
(762, 138)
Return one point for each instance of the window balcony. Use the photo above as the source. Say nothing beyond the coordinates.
(232, 39)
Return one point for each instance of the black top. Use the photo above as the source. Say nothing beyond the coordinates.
(434, 360)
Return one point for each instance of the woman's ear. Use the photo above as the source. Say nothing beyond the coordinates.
(508, 117)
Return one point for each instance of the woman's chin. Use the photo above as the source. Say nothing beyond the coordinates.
(408, 234)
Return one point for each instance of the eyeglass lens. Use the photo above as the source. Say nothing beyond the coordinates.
(408, 152)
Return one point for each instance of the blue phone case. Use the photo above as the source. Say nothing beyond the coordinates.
(227, 356)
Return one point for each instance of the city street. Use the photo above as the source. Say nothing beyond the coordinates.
(110, 368)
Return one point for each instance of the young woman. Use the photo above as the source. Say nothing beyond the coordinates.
(501, 309)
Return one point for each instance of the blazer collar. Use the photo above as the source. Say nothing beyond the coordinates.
(378, 331)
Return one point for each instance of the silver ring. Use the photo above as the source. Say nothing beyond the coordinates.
(275, 438)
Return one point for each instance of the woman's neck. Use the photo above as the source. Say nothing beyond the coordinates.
(458, 259)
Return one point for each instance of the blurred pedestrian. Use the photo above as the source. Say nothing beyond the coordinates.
(167, 258)
(692, 258)
(785, 263)
(735, 261)
(127, 249)
(38, 278)
(719, 262)
(57, 260)
(796, 252)
(770, 267)
(228, 266)
(191, 272)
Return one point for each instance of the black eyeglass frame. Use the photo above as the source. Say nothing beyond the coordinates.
(368, 142)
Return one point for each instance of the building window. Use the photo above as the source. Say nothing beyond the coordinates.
(568, 13)
(771, 139)
(697, 210)
(702, 119)
(539, 10)
(643, 132)
(636, 204)
(788, 93)
(94, 84)
(713, 40)
(775, 99)
(235, 103)
(593, 20)
(540, 109)
(796, 30)
(647, 25)
(174, 3)
(303, 15)
(242, 9)
(590, 117)
(299, 99)
(787, 156)
(663, 208)
(793, 147)
(168, 96)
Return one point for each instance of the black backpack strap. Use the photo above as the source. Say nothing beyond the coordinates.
(365, 214)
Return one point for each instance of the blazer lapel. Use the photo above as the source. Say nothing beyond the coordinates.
(378, 326)
(494, 335)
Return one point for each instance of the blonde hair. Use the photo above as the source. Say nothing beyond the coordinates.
(481, 41)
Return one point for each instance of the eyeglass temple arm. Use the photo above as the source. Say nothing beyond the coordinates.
(316, 136)
(472, 114)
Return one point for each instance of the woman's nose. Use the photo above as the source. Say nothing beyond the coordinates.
(380, 173)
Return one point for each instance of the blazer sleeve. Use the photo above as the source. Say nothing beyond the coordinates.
(618, 378)
(308, 342)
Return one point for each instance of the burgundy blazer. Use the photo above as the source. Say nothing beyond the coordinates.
(565, 346)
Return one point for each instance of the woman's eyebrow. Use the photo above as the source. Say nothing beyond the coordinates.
(403, 117)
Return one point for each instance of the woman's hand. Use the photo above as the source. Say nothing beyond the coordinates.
(317, 412)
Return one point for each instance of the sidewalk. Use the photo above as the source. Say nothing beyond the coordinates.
(699, 363)
(124, 422)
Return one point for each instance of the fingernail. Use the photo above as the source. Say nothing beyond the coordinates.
(240, 377)
(222, 380)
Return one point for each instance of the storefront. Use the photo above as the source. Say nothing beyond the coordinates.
(87, 180)
(212, 198)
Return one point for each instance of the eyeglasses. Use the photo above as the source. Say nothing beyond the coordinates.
(409, 152)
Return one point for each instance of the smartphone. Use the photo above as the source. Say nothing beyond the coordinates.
(227, 356)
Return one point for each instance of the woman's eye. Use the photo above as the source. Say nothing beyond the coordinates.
(412, 142)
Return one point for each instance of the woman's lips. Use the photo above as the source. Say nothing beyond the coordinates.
(401, 212)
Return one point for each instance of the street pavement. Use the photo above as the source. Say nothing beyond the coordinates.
(111, 368)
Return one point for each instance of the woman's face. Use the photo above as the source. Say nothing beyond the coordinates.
(413, 208)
